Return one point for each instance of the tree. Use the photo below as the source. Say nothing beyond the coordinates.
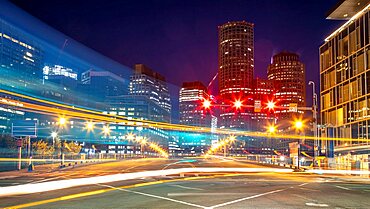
(42, 148)
(72, 147)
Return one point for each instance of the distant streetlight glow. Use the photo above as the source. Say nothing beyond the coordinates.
(130, 137)
(62, 121)
(298, 124)
(106, 130)
(54, 134)
(90, 126)
(271, 129)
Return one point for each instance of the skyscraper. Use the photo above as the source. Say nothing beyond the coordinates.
(236, 66)
(192, 94)
(288, 73)
(147, 82)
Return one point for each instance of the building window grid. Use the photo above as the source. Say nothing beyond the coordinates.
(360, 128)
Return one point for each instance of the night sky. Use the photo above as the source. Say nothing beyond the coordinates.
(179, 38)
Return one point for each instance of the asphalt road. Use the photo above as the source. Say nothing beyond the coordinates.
(231, 190)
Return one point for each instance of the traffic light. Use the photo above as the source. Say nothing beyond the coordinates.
(270, 105)
(206, 104)
(238, 104)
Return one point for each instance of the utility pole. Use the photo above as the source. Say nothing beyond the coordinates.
(314, 122)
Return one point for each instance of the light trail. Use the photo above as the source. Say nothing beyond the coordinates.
(86, 114)
(63, 184)
(49, 160)
(158, 149)
(96, 192)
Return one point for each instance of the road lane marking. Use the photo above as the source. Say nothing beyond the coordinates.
(316, 204)
(155, 196)
(84, 194)
(181, 194)
(313, 190)
(185, 187)
(302, 184)
(245, 198)
(8, 177)
(340, 187)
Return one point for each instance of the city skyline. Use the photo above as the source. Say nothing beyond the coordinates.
(168, 41)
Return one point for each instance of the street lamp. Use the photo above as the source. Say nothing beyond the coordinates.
(271, 129)
(89, 126)
(106, 130)
(314, 122)
(62, 121)
(298, 124)
(54, 135)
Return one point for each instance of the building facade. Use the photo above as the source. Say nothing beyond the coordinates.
(192, 95)
(146, 82)
(236, 68)
(288, 74)
(101, 84)
(345, 89)
(263, 92)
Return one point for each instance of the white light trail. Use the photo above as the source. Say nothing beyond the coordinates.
(63, 184)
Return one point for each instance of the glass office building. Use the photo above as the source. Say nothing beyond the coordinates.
(345, 88)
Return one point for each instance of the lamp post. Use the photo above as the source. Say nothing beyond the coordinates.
(314, 122)
(62, 122)
(299, 126)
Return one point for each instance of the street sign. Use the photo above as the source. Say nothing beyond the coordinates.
(257, 105)
(293, 149)
(23, 128)
(293, 107)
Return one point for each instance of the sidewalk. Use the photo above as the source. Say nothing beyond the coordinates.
(48, 168)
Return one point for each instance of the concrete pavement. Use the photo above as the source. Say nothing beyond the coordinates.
(232, 190)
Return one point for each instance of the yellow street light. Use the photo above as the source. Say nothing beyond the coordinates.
(106, 130)
(62, 121)
(298, 124)
(130, 136)
(144, 140)
(89, 126)
(271, 129)
(232, 138)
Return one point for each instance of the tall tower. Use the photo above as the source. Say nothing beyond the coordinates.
(236, 66)
(288, 72)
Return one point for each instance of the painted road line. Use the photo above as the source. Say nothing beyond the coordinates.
(316, 204)
(245, 198)
(340, 187)
(185, 187)
(183, 194)
(96, 192)
(302, 184)
(155, 196)
(7, 177)
(63, 184)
